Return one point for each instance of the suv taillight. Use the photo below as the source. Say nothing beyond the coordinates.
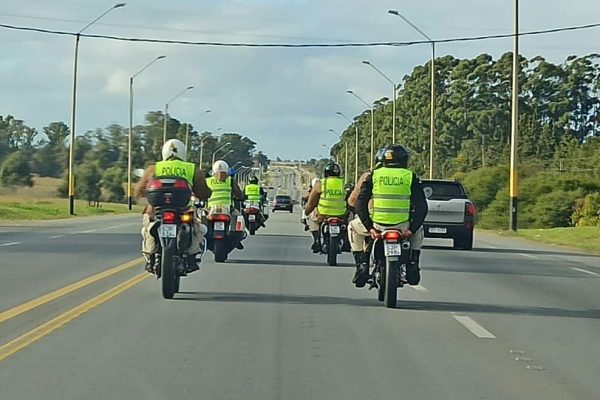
(470, 209)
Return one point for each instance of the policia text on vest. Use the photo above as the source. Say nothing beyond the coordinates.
(182, 169)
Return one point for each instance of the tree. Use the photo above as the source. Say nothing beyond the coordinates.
(112, 181)
(16, 170)
(89, 182)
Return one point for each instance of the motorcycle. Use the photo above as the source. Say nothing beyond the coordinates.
(170, 197)
(221, 234)
(334, 238)
(389, 256)
(253, 216)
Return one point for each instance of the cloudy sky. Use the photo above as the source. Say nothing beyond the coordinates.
(284, 99)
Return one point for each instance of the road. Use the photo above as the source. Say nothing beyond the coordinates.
(508, 320)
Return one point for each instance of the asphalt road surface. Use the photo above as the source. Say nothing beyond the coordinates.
(79, 319)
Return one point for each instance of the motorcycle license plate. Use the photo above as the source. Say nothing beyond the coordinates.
(219, 226)
(393, 249)
(334, 229)
(167, 231)
(251, 217)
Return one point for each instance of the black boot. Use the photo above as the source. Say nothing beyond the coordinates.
(150, 260)
(361, 276)
(316, 246)
(413, 277)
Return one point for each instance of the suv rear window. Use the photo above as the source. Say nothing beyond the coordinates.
(283, 199)
(443, 190)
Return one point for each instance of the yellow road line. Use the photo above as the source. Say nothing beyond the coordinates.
(36, 334)
(30, 305)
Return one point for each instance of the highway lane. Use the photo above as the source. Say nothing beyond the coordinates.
(277, 323)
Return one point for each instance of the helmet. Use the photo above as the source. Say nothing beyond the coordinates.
(220, 166)
(379, 157)
(173, 148)
(231, 171)
(395, 155)
(253, 180)
(314, 182)
(349, 187)
(332, 169)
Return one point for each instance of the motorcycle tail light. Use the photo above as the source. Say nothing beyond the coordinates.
(154, 184)
(168, 217)
(218, 217)
(392, 236)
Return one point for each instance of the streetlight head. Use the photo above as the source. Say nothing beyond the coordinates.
(119, 5)
(207, 111)
(393, 12)
(366, 62)
(189, 88)
(161, 57)
(339, 113)
(331, 130)
(349, 91)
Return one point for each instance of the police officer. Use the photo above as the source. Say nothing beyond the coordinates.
(394, 191)
(326, 199)
(253, 193)
(173, 164)
(225, 192)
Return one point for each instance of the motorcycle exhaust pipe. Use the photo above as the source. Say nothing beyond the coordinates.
(405, 245)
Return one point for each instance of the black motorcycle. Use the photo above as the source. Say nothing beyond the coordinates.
(170, 197)
(224, 230)
(389, 256)
(334, 238)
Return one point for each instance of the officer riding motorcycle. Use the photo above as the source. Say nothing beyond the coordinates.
(398, 202)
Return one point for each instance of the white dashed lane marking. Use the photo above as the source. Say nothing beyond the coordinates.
(473, 327)
(9, 244)
(585, 271)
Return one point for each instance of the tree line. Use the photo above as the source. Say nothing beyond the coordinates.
(559, 134)
(101, 155)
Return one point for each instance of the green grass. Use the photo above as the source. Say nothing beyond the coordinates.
(12, 209)
(582, 238)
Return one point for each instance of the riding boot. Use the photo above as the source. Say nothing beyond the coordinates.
(361, 276)
(316, 246)
(413, 276)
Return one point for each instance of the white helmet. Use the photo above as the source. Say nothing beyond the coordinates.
(314, 182)
(173, 148)
(220, 166)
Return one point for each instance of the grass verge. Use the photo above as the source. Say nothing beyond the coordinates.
(12, 209)
(585, 238)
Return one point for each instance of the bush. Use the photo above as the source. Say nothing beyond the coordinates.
(112, 181)
(587, 211)
(483, 184)
(16, 170)
(550, 210)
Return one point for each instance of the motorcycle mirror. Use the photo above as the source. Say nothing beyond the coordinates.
(139, 172)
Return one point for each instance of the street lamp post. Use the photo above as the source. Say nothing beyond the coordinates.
(219, 149)
(166, 116)
(129, 149)
(432, 116)
(514, 178)
(372, 122)
(73, 111)
(393, 98)
(355, 146)
(345, 150)
(187, 127)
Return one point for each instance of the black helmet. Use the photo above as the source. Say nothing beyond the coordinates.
(395, 155)
(332, 169)
(253, 180)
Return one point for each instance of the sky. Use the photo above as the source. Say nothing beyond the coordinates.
(284, 99)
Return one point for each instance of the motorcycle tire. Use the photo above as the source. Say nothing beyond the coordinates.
(221, 250)
(168, 275)
(332, 251)
(391, 284)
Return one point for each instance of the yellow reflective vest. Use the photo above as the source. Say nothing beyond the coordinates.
(332, 201)
(181, 169)
(252, 192)
(391, 195)
(221, 192)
